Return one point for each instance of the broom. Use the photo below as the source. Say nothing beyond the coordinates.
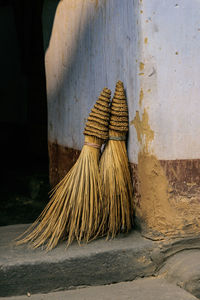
(116, 185)
(75, 208)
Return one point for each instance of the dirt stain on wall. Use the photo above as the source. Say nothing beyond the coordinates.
(141, 66)
(141, 97)
(154, 210)
(145, 134)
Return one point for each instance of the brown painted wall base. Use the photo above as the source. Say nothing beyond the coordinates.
(180, 171)
(183, 178)
(183, 175)
(61, 160)
(167, 197)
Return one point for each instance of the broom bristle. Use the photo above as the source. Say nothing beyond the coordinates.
(69, 211)
(117, 190)
(75, 208)
(116, 184)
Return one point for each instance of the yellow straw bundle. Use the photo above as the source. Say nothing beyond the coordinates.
(116, 185)
(75, 209)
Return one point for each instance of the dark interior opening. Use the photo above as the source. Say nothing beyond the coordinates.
(23, 114)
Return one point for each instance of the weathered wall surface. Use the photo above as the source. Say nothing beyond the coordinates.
(167, 121)
(153, 47)
(169, 60)
(93, 44)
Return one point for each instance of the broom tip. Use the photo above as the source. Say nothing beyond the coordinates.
(119, 89)
(120, 85)
(119, 82)
(106, 90)
(97, 122)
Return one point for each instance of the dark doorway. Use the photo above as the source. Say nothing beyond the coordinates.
(23, 117)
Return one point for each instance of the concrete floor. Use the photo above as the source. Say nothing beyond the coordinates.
(141, 289)
(167, 269)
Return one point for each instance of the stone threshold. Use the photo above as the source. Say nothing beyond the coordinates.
(125, 258)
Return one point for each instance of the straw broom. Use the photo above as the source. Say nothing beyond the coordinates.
(116, 185)
(75, 208)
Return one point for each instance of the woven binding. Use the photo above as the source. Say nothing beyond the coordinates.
(117, 138)
(98, 121)
(119, 110)
(92, 145)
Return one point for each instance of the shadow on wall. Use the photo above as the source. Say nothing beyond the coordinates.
(67, 106)
(78, 65)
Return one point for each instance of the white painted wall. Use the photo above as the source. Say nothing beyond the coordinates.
(173, 31)
(95, 43)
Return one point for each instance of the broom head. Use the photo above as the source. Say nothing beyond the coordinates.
(116, 184)
(75, 207)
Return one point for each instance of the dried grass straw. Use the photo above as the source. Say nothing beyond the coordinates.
(75, 208)
(116, 185)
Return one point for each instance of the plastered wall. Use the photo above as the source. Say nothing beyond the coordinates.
(169, 80)
(93, 44)
(153, 46)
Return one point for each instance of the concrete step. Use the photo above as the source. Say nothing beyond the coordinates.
(141, 289)
(100, 262)
(183, 269)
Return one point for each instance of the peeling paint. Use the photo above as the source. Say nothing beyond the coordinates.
(145, 134)
(141, 97)
(141, 66)
(153, 209)
(162, 207)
